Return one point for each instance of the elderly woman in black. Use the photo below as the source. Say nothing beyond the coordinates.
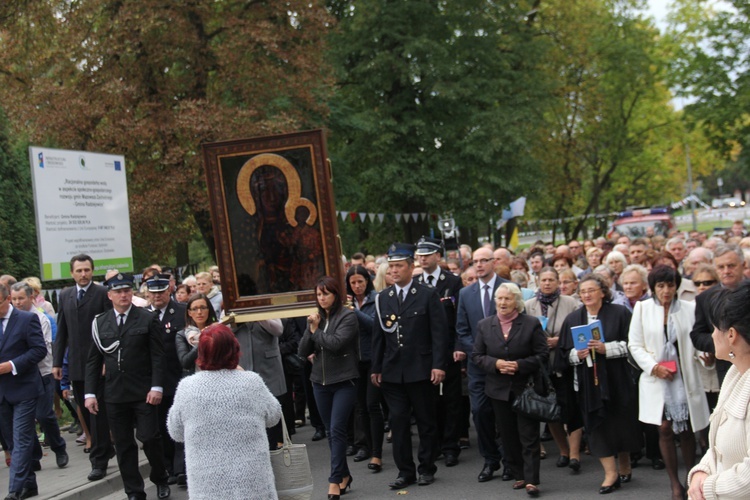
(511, 347)
(368, 416)
(331, 342)
(606, 391)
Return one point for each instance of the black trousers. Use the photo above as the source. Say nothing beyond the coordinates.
(417, 398)
(123, 417)
(368, 415)
(174, 453)
(520, 436)
(101, 444)
(448, 410)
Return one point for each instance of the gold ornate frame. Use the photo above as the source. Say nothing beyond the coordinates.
(274, 222)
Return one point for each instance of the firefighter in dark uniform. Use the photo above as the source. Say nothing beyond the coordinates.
(409, 356)
(128, 345)
(448, 394)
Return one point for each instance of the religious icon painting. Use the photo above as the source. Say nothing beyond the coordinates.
(274, 222)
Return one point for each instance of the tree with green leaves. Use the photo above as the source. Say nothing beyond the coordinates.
(437, 110)
(610, 128)
(18, 245)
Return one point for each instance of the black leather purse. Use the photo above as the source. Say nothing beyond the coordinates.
(537, 406)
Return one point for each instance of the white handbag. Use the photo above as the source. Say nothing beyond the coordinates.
(291, 469)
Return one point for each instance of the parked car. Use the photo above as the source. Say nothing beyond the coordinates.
(643, 222)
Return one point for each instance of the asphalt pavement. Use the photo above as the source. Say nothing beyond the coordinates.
(457, 482)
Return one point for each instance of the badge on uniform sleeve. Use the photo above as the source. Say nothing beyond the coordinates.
(390, 294)
(413, 291)
(171, 311)
(442, 277)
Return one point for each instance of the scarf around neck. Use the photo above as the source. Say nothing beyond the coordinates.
(547, 300)
(506, 321)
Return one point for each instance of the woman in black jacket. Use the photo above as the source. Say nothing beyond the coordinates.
(511, 348)
(331, 342)
(368, 415)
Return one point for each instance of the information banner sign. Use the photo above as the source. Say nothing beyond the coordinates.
(81, 202)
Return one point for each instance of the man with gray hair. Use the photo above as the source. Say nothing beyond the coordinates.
(730, 264)
(697, 256)
(22, 298)
(676, 247)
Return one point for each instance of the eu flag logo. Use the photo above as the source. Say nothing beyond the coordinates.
(118, 166)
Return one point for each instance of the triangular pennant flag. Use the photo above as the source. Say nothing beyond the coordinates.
(398, 217)
(513, 243)
(415, 216)
(423, 216)
(362, 216)
(343, 215)
(381, 217)
(371, 217)
(353, 216)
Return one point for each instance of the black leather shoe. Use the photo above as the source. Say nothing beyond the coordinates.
(507, 474)
(163, 491)
(351, 451)
(563, 461)
(401, 482)
(172, 479)
(575, 464)
(319, 434)
(62, 459)
(604, 490)
(181, 480)
(451, 460)
(134, 497)
(625, 478)
(28, 493)
(657, 463)
(97, 474)
(13, 496)
(487, 472)
(361, 455)
(426, 479)
(375, 468)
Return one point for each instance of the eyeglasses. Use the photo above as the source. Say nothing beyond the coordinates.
(482, 261)
(705, 283)
(198, 308)
(589, 291)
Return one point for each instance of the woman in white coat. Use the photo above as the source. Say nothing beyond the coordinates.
(670, 389)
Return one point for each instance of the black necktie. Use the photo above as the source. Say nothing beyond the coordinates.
(430, 280)
(401, 296)
(121, 322)
(486, 301)
(81, 293)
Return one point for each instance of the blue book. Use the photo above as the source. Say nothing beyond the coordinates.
(583, 334)
(543, 321)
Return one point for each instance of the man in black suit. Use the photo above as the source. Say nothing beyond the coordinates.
(21, 348)
(448, 394)
(475, 303)
(730, 264)
(171, 316)
(128, 344)
(77, 307)
(409, 354)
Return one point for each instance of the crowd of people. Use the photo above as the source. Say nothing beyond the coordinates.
(419, 335)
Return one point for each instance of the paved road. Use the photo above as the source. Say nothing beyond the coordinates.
(451, 483)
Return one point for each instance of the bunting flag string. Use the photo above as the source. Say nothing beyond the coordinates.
(373, 217)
